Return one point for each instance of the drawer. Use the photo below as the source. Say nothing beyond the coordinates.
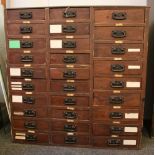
(26, 29)
(39, 99)
(80, 101)
(118, 83)
(65, 59)
(70, 87)
(124, 100)
(22, 136)
(120, 142)
(65, 73)
(103, 68)
(119, 33)
(64, 126)
(123, 115)
(63, 139)
(69, 14)
(100, 129)
(31, 124)
(60, 113)
(27, 44)
(21, 72)
(125, 51)
(28, 86)
(70, 29)
(27, 58)
(119, 15)
(17, 15)
(70, 44)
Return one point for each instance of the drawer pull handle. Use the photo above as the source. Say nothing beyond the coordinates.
(119, 16)
(27, 73)
(69, 74)
(28, 100)
(26, 58)
(69, 44)
(116, 115)
(69, 128)
(69, 29)
(115, 129)
(117, 84)
(69, 59)
(69, 101)
(116, 99)
(25, 15)
(118, 50)
(69, 14)
(31, 138)
(117, 68)
(114, 142)
(26, 44)
(70, 140)
(30, 125)
(69, 88)
(70, 115)
(25, 29)
(27, 86)
(29, 113)
(118, 34)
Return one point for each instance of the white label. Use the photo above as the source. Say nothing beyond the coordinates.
(20, 137)
(16, 88)
(129, 142)
(134, 50)
(133, 67)
(55, 43)
(16, 82)
(133, 84)
(17, 99)
(55, 28)
(15, 72)
(131, 115)
(131, 129)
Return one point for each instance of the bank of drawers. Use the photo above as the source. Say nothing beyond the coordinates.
(76, 75)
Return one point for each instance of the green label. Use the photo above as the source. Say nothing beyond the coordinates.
(14, 43)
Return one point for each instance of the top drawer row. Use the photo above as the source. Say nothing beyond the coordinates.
(101, 15)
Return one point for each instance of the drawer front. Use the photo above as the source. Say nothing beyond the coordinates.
(125, 51)
(103, 68)
(26, 29)
(30, 58)
(28, 86)
(120, 142)
(26, 44)
(69, 14)
(80, 101)
(25, 14)
(64, 73)
(120, 15)
(65, 59)
(63, 139)
(35, 73)
(69, 87)
(70, 44)
(64, 126)
(112, 129)
(118, 83)
(119, 33)
(123, 99)
(69, 114)
(31, 124)
(69, 29)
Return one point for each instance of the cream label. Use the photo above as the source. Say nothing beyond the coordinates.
(129, 142)
(15, 72)
(134, 50)
(55, 43)
(17, 99)
(131, 129)
(131, 115)
(133, 84)
(55, 28)
(133, 67)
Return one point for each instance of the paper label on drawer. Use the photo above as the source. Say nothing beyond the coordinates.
(133, 67)
(133, 84)
(55, 43)
(20, 137)
(129, 142)
(15, 72)
(16, 83)
(55, 28)
(131, 129)
(16, 88)
(131, 115)
(14, 43)
(134, 50)
(17, 99)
